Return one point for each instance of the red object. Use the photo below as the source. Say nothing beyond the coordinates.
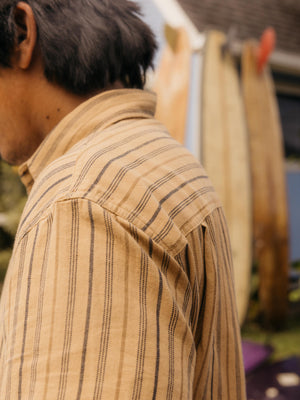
(266, 47)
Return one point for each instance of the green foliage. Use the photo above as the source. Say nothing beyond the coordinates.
(12, 201)
(285, 342)
(11, 188)
(4, 260)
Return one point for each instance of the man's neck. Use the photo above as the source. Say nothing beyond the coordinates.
(52, 103)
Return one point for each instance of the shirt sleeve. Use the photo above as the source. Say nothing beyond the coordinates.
(219, 371)
(94, 309)
(92, 315)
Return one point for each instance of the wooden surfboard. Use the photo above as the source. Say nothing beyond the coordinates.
(225, 156)
(172, 82)
(270, 215)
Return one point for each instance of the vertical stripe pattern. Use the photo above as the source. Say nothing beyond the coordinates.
(120, 284)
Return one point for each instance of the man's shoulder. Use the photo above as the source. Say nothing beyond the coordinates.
(136, 171)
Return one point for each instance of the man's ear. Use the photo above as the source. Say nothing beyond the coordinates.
(26, 35)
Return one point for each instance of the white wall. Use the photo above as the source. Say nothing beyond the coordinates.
(153, 16)
(157, 13)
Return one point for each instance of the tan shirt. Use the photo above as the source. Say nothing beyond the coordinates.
(120, 284)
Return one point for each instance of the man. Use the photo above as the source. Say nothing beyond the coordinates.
(120, 283)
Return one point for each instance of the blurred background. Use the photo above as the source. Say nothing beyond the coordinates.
(233, 66)
(227, 76)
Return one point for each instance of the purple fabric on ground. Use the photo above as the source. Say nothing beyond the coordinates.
(264, 382)
(255, 354)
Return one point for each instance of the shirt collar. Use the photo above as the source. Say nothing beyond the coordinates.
(99, 112)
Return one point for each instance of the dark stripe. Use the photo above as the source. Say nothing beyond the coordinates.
(198, 334)
(139, 370)
(134, 233)
(89, 304)
(194, 309)
(220, 351)
(171, 333)
(206, 385)
(39, 317)
(181, 263)
(26, 315)
(165, 263)
(20, 268)
(125, 318)
(160, 290)
(72, 285)
(107, 165)
(225, 308)
(222, 290)
(105, 332)
(48, 354)
(184, 309)
(225, 243)
(187, 263)
(225, 250)
(1, 348)
(189, 374)
(182, 367)
(150, 247)
(179, 273)
(213, 373)
(198, 262)
(209, 327)
(187, 296)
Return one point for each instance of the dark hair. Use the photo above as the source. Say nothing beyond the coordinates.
(85, 44)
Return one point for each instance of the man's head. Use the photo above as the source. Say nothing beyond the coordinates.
(78, 47)
(86, 45)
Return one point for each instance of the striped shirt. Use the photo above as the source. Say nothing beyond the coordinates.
(120, 283)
